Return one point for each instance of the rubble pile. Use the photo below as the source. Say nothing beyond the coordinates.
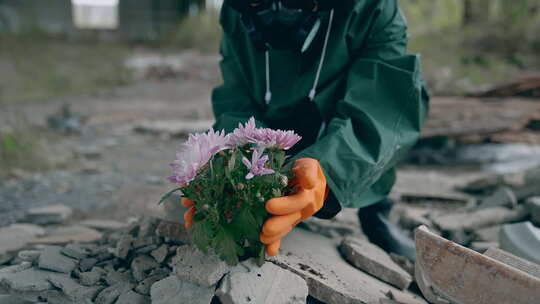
(50, 258)
(151, 261)
(493, 207)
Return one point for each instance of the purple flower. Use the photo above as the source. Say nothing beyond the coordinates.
(256, 166)
(277, 138)
(195, 154)
(244, 134)
(266, 138)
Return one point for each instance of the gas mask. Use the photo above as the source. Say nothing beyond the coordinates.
(281, 24)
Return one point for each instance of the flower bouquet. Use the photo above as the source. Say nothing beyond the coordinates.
(230, 177)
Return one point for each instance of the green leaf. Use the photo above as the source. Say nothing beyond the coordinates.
(203, 235)
(245, 225)
(168, 194)
(226, 247)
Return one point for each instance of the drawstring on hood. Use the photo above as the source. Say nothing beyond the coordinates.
(313, 92)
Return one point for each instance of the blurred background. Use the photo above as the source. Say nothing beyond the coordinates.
(95, 96)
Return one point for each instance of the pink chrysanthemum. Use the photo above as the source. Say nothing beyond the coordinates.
(256, 166)
(195, 153)
(266, 138)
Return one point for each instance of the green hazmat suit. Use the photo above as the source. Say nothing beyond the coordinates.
(370, 103)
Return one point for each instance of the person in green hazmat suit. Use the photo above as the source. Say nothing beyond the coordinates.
(337, 73)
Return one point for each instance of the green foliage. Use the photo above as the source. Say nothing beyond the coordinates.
(230, 209)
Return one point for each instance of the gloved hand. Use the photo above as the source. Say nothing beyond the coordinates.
(288, 211)
(188, 215)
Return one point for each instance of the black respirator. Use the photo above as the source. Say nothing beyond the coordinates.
(281, 24)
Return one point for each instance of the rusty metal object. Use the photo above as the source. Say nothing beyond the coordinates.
(449, 273)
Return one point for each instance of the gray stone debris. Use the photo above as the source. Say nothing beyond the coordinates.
(9, 299)
(191, 265)
(160, 254)
(411, 217)
(29, 255)
(53, 214)
(29, 280)
(488, 234)
(147, 227)
(131, 297)
(16, 268)
(514, 261)
(173, 231)
(375, 261)
(329, 277)
(15, 237)
(51, 258)
(73, 290)
(502, 197)
(104, 225)
(108, 295)
(480, 218)
(522, 239)
(533, 204)
(123, 246)
(87, 264)
(70, 234)
(114, 277)
(76, 251)
(171, 290)
(247, 283)
(144, 286)
(141, 265)
(90, 278)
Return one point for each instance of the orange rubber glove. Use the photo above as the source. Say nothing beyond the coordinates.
(188, 215)
(288, 211)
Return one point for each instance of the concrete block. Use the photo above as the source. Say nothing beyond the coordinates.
(171, 290)
(191, 265)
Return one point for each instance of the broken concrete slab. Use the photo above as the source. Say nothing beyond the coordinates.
(533, 204)
(191, 265)
(132, 297)
(480, 218)
(15, 237)
(329, 277)
(446, 271)
(69, 234)
(51, 258)
(53, 214)
(375, 261)
(249, 283)
(104, 225)
(514, 261)
(171, 290)
(521, 239)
